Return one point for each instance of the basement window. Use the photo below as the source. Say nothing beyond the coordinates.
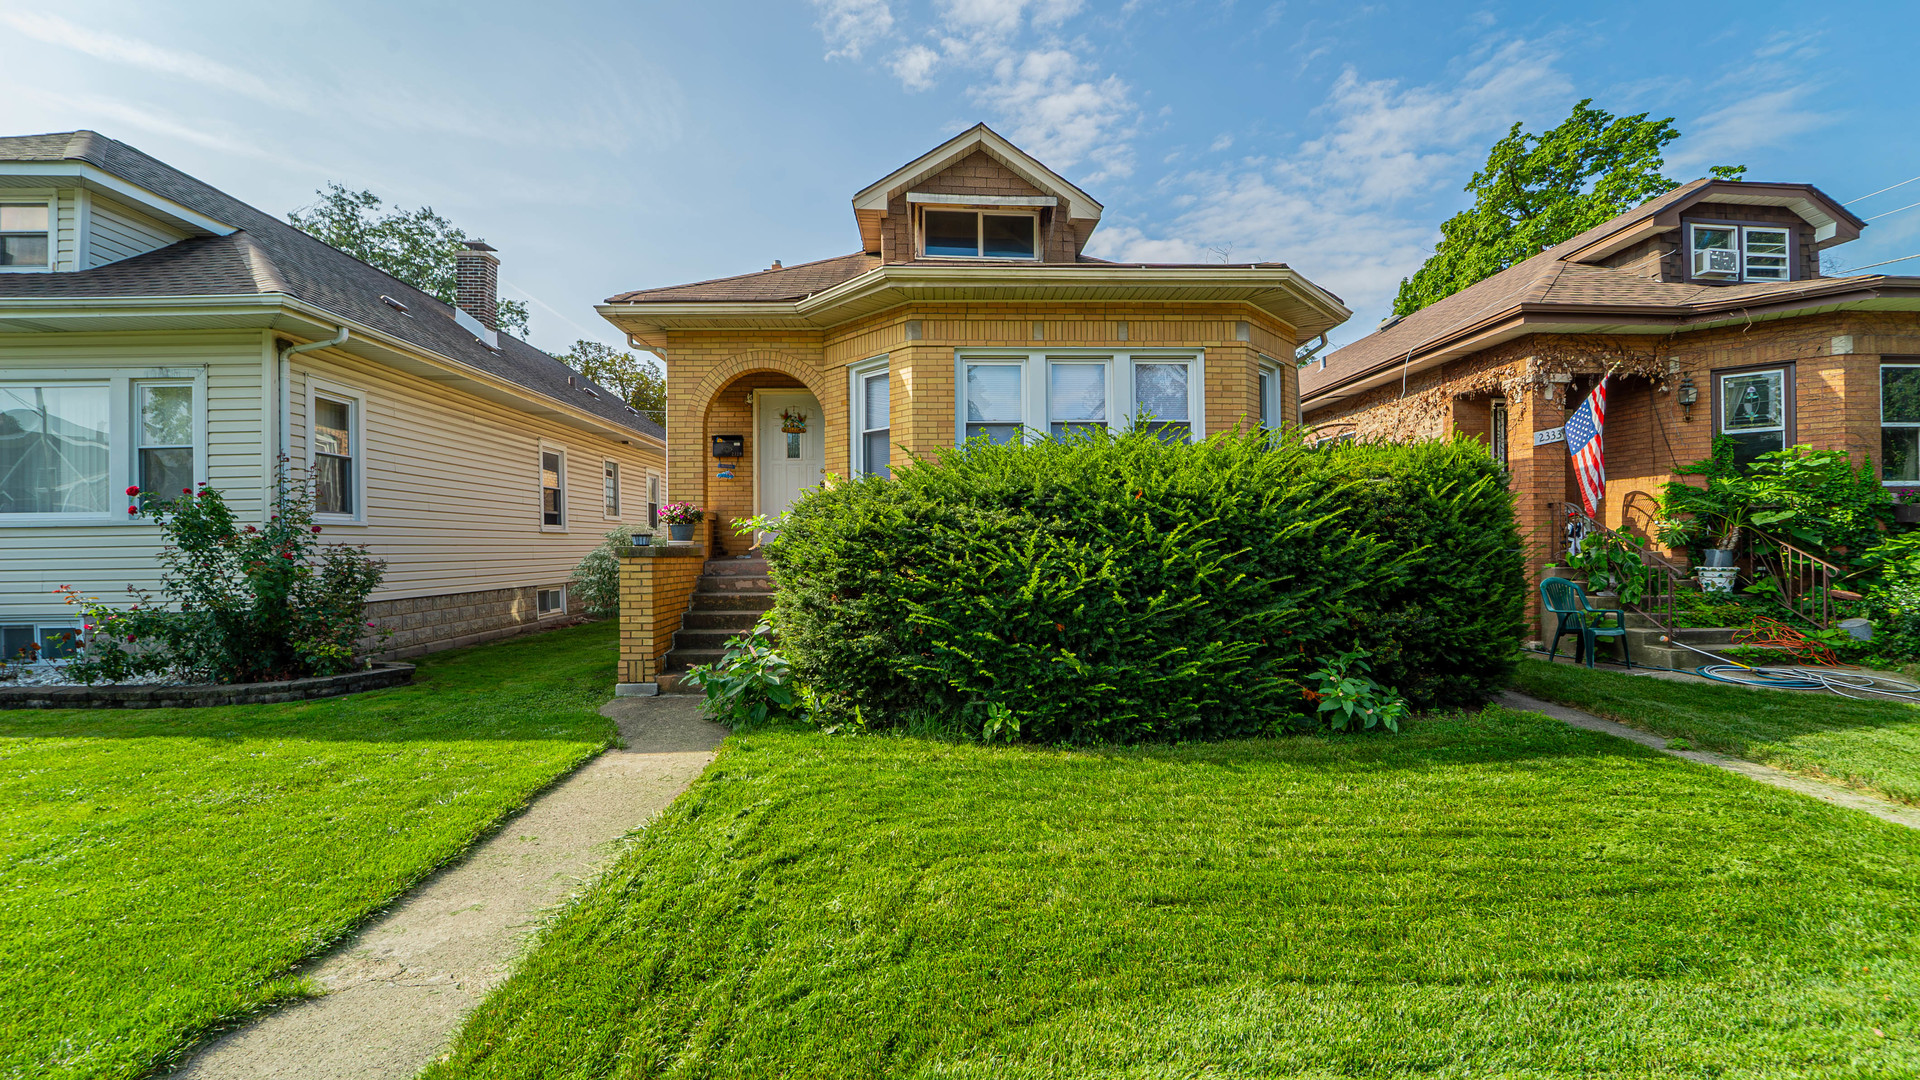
(551, 601)
(979, 234)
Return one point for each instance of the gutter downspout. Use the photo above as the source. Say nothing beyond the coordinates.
(1303, 359)
(285, 376)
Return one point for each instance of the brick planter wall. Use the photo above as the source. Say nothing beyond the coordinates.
(422, 624)
(186, 697)
(656, 584)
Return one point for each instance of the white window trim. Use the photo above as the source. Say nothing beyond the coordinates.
(1275, 405)
(1036, 385)
(1740, 248)
(857, 375)
(656, 493)
(619, 500)
(52, 203)
(979, 231)
(540, 487)
(1720, 389)
(557, 611)
(40, 629)
(1895, 424)
(123, 444)
(356, 402)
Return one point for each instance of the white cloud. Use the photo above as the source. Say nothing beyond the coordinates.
(180, 63)
(1354, 207)
(1728, 134)
(1061, 111)
(853, 26)
(914, 66)
(1222, 142)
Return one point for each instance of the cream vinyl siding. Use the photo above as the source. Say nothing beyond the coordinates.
(119, 232)
(103, 559)
(452, 483)
(67, 228)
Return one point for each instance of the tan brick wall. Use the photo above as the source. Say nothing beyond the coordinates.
(655, 590)
(710, 373)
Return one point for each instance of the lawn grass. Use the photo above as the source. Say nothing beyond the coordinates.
(1490, 895)
(161, 870)
(1870, 745)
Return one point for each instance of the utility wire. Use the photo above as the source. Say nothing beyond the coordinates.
(1890, 213)
(1870, 266)
(1882, 191)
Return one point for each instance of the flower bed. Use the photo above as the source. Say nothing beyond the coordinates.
(197, 695)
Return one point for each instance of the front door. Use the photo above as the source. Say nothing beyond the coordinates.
(792, 442)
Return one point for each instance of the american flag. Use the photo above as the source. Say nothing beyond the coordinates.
(1588, 447)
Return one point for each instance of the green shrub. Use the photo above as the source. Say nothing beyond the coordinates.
(1123, 588)
(596, 580)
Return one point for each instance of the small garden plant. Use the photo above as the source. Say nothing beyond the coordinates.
(238, 602)
(680, 513)
(596, 580)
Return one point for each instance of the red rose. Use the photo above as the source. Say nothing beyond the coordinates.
(186, 491)
(286, 554)
(252, 529)
(132, 491)
(316, 529)
(133, 509)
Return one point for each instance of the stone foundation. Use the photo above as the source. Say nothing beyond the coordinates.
(423, 624)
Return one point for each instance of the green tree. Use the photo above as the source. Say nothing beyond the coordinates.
(1538, 190)
(417, 246)
(639, 380)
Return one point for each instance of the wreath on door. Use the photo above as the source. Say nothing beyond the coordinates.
(793, 422)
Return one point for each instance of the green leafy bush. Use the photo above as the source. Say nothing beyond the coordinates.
(751, 684)
(1819, 500)
(1124, 588)
(596, 580)
(1349, 696)
(242, 602)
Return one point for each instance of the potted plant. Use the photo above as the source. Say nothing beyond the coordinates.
(681, 518)
(1906, 505)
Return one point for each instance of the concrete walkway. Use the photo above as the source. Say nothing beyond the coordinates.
(397, 990)
(1766, 774)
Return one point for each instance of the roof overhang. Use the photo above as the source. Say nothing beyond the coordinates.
(870, 204)
(298, 319)
(1876, 294)
(1831, 223)
(1280, 292)
(93, 178)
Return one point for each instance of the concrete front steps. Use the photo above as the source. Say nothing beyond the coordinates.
(730, 598)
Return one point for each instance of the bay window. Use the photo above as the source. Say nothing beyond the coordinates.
(1057, 392)
(1900, 422)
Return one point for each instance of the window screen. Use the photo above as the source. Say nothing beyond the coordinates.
(1077, 397)
(874, 412)
(993, 402)
(1160, 399)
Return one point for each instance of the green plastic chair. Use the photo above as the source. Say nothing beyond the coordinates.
(1569, 601)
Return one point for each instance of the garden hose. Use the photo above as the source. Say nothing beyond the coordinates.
(1847, 684)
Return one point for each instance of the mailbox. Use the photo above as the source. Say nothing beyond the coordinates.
(729, 445)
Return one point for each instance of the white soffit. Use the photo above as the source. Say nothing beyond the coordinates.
(1823, 223)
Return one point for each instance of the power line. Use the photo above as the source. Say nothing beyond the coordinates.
(1882, 191)
(1870, 266)
(1890, 213)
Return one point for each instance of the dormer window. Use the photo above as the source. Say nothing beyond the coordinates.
(1740, 253)
(25, 236)
(979, 234)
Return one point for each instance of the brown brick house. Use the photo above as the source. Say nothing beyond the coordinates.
(1707, 302)
(969, 310)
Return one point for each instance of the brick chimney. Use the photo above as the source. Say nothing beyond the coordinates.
(477, 286)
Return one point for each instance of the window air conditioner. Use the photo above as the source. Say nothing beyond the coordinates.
(1716, 263)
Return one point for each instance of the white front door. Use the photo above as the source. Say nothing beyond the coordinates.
(789, 461)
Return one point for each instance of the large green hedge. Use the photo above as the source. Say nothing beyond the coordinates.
(1122, 588)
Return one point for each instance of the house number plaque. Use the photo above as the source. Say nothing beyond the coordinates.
(1551, 435)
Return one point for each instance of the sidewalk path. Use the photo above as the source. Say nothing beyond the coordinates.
(397, 990)
(1766, 774)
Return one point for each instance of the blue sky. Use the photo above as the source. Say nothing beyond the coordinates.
(605, 147)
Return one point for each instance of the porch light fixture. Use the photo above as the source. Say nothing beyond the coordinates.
(1687, 395)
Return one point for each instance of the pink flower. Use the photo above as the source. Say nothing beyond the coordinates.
(132, 491)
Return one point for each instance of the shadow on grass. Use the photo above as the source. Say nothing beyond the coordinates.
(529, 687)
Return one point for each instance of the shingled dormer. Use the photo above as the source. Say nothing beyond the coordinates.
(975, 198)
(1724, 232)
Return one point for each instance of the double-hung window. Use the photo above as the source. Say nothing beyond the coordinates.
(873, 409)
(553, 489)
(653, 500)
(979, 234)
(26, 236)
(1900, 421)
(1273, 397)
(1755, 409)
(165, 427)
(1058, 392)
(336, 455)
(1741, 253)
(610, 482)
(995, 405)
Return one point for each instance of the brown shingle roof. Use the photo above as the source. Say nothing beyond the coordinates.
(1548, 281)
(787, 283)
(269, 256)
